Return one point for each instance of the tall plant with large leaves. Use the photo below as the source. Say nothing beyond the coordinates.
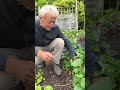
(96, 31)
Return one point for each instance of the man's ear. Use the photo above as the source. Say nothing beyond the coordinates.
(40, 17)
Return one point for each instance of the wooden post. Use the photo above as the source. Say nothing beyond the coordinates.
(76, 12)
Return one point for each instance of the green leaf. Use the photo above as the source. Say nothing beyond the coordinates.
(111, 52)
(77, 62)
(105, 45)
(103, 84)
(78, 87)
(76, 70)
(84, 69)
(80, 75)
(37, 87)
(39, 79)
(48, 87)
(83, 82)
(75, 80)
(97, 73)
(36, 4)
(103, 67)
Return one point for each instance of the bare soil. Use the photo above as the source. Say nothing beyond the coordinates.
(63, 82)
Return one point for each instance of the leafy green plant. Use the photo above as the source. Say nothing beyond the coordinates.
(64, 3)
(76, 65)
(97, 30)
(81, 14)
(37, 87)
(38, 79)
(79, 70)
(106, 82)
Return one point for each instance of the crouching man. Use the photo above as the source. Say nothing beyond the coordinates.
(49, 40)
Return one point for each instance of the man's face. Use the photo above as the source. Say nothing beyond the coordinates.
(47, 21)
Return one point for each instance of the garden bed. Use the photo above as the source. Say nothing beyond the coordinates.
(63, 82)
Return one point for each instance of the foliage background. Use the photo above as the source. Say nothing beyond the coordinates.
(65, 4)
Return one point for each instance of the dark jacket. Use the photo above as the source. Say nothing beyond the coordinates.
(44, 37)
(16, 27)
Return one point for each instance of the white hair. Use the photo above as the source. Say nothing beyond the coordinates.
(48, 8)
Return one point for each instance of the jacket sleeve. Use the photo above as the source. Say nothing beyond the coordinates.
(2, 62)
(68, 44)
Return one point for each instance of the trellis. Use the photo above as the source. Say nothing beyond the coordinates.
(67, 19)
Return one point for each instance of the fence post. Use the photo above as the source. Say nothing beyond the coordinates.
(76, 11)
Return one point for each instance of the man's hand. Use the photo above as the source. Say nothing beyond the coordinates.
(46, 56)
(23, 70)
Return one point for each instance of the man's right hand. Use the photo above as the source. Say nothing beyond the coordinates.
(46, 56)
(23, 70)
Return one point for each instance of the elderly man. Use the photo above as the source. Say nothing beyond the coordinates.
(49, 40)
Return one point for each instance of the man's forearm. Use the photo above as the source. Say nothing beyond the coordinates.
(70, 47)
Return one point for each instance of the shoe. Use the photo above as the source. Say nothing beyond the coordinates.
(57, 69)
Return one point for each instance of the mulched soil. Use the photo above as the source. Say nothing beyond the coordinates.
(63, 82)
